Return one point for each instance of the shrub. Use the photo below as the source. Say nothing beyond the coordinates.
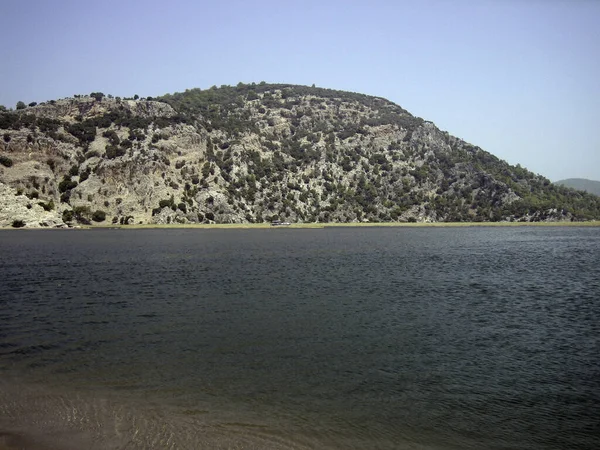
(99, 216)
(126, 220)
(66, 184)
(112, 137)
(6, 161)
(67, 216)
(136, 135)
(112, 151)
(82, 213)
(18, 224)
(47, 206)
(85, 131)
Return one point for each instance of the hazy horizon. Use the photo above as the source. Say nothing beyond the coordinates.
(516, 78)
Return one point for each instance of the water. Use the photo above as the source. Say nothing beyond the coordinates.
(394, 338)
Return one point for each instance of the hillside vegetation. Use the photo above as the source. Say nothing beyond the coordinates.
(582, 184)
(257, 153)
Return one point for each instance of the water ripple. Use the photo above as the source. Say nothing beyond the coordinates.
(347, 338)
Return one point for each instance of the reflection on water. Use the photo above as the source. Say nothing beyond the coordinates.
(347, 338)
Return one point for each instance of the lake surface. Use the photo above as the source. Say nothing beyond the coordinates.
(346, 338)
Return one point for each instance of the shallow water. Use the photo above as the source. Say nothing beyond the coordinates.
(372, 338)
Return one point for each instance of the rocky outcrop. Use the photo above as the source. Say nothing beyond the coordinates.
(85, 107)
(18, 211)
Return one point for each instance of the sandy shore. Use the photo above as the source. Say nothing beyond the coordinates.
(243, 226)
(12, 441)
(237, 226)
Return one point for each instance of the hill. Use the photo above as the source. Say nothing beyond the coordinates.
(256, 153)
(581, 184)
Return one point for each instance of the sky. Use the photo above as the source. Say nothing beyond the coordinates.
(518, 78)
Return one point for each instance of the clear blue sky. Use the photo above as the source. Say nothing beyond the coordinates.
(519, 78)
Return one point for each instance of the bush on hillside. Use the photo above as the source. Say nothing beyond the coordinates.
(99, 216)
(6, 161)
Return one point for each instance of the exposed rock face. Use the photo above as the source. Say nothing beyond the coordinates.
(256, 153)
(87, 107)
(18, 211)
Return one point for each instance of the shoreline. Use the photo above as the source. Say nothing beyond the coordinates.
(240, 226)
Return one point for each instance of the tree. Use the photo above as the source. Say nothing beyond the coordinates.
(97, 95)
(135, 97)
(21, 105)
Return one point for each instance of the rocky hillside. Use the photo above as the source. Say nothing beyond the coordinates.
(256, 153)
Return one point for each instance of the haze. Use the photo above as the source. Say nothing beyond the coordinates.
(517, 78)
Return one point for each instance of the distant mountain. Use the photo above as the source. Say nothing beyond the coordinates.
(256, 153)
(581, 184)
